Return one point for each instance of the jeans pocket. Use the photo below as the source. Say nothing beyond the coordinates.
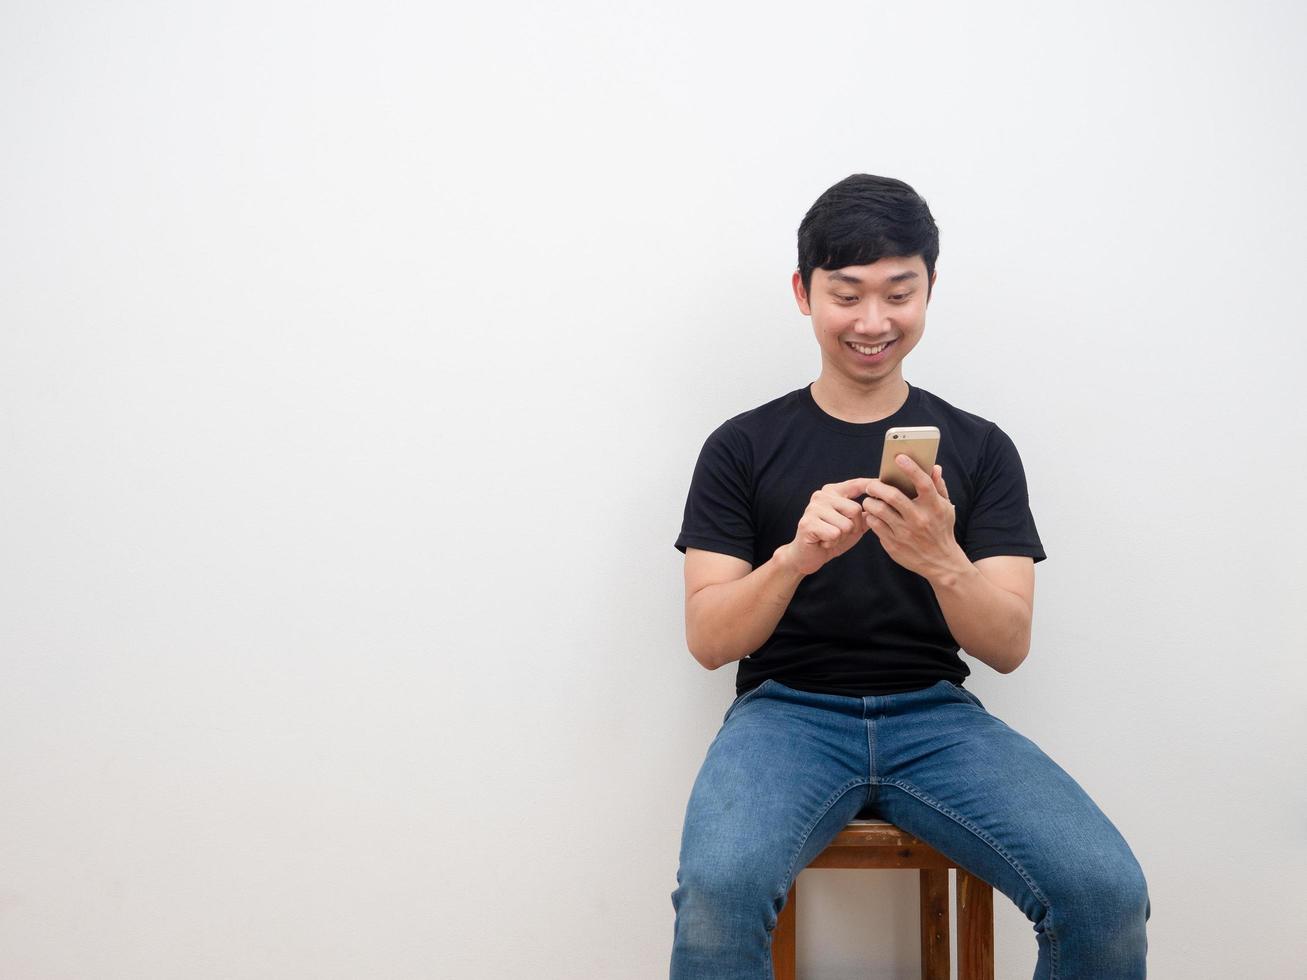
(748, 695)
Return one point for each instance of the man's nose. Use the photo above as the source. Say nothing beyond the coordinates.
(874, 322)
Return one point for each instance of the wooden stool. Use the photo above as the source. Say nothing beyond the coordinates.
(878, 844)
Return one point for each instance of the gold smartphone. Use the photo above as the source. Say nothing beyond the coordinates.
(921, 442)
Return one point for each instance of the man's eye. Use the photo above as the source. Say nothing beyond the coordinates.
(847, 299)
(900, 296)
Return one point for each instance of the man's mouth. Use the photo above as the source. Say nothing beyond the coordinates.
(870, 352)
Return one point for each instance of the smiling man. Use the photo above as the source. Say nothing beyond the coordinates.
(846, 604)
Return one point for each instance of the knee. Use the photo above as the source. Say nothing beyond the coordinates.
(725, 893)
(1126, 881)
(1110, 895)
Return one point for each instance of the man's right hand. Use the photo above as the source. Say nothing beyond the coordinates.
(831, 524)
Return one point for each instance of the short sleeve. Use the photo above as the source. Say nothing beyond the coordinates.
(718, 513)
(1000, 522)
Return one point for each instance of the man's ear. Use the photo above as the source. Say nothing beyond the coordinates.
(933, 276)
(797, 283)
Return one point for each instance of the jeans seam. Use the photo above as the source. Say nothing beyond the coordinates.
(1013, 862)
(871, 751)
(969, 696)
(821, 814)
(744, 699)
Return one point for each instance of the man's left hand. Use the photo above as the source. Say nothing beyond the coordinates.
(916, 532)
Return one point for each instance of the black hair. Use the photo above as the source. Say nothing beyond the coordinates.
(863, 219)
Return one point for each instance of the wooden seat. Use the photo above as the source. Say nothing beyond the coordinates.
(878, 844)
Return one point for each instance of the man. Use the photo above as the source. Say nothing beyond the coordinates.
(844, 602)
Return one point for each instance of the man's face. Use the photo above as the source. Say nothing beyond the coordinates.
(867, 305)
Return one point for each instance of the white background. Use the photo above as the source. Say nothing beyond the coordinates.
(354, 362)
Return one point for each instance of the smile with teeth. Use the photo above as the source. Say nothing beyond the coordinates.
(868, 350)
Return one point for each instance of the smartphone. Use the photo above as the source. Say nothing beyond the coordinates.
(921, 442)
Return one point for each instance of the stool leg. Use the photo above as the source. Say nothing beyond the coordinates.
(783, 947)
(975, 928)
(934, 925)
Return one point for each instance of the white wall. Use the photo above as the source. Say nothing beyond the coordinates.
(353, 365)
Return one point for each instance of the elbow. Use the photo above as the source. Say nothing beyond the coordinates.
(702, 655)
(1015, 662)
(707, 664)
(1013, 653)
(703, 661)
(1021, 650)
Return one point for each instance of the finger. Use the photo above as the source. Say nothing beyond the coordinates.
(915, 473)
(843, 505)
(815, 532)
(877, 488)
(940, 485)
(889, 495)
(818, 531)
(841, 523)
(883, 512)
(849, 488)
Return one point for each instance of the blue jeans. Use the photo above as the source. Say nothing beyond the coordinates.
(789, 769)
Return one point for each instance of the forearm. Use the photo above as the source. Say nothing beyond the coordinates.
(989, 622)
(728, 621)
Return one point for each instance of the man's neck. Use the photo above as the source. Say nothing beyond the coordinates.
(852, 404)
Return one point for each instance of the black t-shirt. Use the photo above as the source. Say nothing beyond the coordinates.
(862, 624)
